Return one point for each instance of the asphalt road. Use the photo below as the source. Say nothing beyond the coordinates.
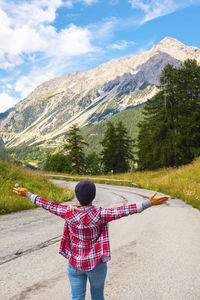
(155, 254)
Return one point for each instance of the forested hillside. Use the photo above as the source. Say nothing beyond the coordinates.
(94, 134)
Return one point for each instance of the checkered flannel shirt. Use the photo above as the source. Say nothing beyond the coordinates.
(85, 237)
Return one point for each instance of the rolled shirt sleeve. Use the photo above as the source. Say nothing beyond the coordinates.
(110, 214)
(60, 210)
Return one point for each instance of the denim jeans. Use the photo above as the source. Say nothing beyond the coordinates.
(78, 281)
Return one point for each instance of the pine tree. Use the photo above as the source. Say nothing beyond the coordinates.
(75, 145)
(117, 149)
(189, 110)
(109, 149)
(124, 149)
(170, 135)
(152, 134)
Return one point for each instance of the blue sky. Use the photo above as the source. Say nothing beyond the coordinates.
(43, 39)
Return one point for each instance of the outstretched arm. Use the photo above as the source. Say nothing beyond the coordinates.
(110, 214)
(60, 210)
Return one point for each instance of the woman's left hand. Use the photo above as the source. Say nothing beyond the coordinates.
(158, 200)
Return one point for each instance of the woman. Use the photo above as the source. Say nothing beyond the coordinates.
(85, 240)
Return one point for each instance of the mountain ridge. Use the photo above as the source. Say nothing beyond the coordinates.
(88, 97)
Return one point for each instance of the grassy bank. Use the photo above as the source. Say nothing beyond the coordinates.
(182, 182)
(33, 181)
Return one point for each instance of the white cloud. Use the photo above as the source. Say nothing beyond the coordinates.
(4, 20)
(105, 29)
(31, 13)
(23, 34)
(6, 101)
(69, 4)
(90, 1)
(71, 41)
(140, 4)
(122, 45)
(28, 38)
(156, 8)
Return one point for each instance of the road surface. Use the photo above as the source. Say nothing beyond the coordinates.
(155, 254)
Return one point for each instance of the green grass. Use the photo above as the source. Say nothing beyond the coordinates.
(35, 182)
(182, 182)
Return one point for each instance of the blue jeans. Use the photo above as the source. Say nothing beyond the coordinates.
(78, 281)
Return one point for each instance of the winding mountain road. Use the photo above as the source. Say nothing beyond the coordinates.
(155, 254)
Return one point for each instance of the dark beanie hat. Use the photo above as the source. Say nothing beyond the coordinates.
(85, 192)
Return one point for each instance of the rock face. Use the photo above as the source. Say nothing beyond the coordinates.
(88, 97)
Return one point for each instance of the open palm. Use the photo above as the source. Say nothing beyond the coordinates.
(158, 200)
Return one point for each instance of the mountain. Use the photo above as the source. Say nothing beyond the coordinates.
(89, 97)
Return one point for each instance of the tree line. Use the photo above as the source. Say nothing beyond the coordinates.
(116, 156)
(168, 136)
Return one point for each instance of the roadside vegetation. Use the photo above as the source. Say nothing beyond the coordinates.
(35, 182)
(182, 182)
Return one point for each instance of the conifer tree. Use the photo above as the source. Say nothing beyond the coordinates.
(74, 147)
(170, 135)
(189, 110)
(124, 148)
(109, 149)
(117, 149)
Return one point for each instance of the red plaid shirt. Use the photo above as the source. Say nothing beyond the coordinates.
(85, 238)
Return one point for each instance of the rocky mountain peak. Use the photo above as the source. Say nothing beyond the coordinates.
(169, 41)
(177, 49)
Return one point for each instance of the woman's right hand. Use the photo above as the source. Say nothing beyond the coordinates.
(158, 200)
(20, 191)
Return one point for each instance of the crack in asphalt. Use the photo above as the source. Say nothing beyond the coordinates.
(124, 200)
(27, 292)
(19, 253)
(142, 196)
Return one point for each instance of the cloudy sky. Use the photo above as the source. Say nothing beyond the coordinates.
(42, 39)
